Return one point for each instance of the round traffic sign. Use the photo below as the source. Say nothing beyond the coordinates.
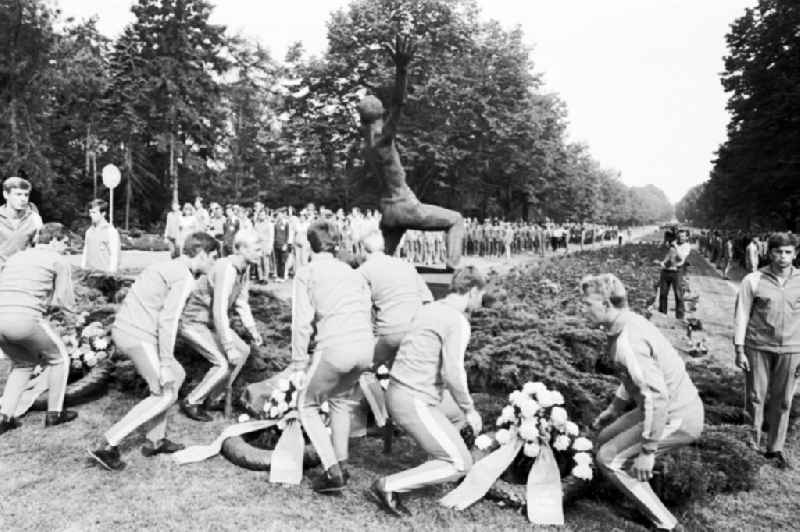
(111, 176)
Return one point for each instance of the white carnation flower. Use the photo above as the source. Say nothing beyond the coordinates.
(582, 458)
(557, 398)
(384, 383)
(508, 412)
(516, 397)
(572, 429)
(561, 443)
(582, 444)
(528, 408)
(483, 442)
(90, 359)
(77, 364)
(545, 398)
(582, 471)
(533, 388)
(382, 370)
(528, 430)
(100, 343)
(101, 355)
(274, 412)
(503, 436)
(531, 450)
(558, 416)
(243, 418)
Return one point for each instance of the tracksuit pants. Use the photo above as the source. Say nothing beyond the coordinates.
(28, 341)
(620, 443)
(771, 383)
(144, 356)
(332, 377)
(434, 431)
(674, 279)
(205, 342)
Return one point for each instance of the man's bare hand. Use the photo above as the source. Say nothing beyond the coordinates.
(402, 52)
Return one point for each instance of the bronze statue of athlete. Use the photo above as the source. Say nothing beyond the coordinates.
(400, 208)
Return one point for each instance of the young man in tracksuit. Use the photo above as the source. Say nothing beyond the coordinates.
(767, 342)
(205, 323)
(144, 330)
(331, 300)
(668, 411)
(31, 281)
(398, 292)
(19, 219)
(101, 246)
(431, 360)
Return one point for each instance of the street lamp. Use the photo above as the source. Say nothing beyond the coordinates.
(111, 178)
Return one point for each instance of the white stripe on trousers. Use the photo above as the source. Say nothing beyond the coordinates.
(57, 384)
(433, 471)
(152, 407)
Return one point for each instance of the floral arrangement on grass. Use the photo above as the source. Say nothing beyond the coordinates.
(534, 424)
(536, 416)
(92, 346)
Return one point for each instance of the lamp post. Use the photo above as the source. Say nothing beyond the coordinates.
(111, 178)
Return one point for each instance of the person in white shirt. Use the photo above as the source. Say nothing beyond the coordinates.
(101, 245)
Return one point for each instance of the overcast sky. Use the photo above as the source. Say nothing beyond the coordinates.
(640, 77)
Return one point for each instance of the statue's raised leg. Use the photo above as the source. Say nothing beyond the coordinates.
(397, 217)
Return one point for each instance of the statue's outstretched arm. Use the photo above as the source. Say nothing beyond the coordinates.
(402, 52)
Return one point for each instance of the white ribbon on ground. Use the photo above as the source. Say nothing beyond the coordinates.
(198, 453)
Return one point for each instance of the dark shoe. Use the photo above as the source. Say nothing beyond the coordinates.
(195, 412)
(779, 459)
(387, 500)
(332, 481)
(57, 418)
(164, 446)
(8, 423)
(108, 458)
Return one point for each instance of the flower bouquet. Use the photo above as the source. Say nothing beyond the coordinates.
(532, 430)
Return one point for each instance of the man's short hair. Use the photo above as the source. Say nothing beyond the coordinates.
(323, 236)
(778, 240)
(52, 231)
(608, 286)
(99, 204)
(465, 279)
(200, 241)
(373, 241)
(16, 182)
(244, 235)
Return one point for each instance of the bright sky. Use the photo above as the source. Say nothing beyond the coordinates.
(640, 77)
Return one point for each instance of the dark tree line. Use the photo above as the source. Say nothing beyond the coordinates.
(184, 108)
(755, 181)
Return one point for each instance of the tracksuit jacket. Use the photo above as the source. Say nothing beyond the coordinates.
(30, 277)
(17, 234)
(398, 292)
(153, 306)
(225, 287)
(767, 315)
(655, 376)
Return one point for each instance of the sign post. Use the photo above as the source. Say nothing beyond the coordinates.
(111, 178)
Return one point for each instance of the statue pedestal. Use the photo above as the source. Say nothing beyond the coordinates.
(437, 279)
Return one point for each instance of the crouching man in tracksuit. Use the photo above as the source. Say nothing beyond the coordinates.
(398, 292)
(668, 413)
(31, 281)
(205, 324)
(144, 330)
(332, 299)
(430, 359)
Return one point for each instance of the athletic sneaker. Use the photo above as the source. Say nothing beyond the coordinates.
(108, 458)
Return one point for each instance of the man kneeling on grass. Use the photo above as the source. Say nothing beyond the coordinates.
(144, 330)
(430, 359)
(668, 412)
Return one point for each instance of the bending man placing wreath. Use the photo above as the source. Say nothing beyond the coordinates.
(400, 208)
